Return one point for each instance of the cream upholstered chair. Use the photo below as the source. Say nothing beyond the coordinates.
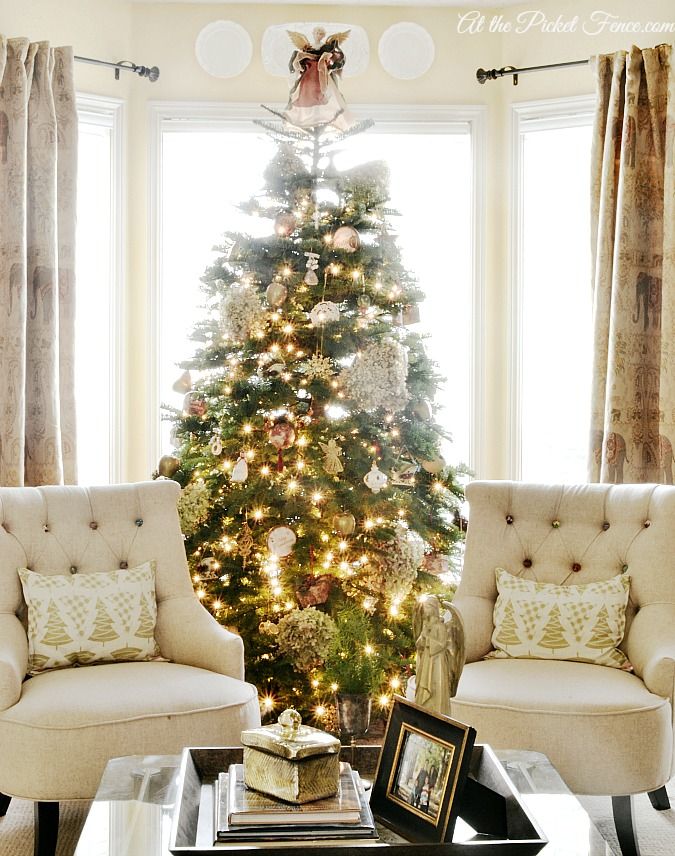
(606, 730)
(59, 728)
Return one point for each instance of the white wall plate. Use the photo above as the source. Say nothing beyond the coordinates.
(224, 49)
(277, 47)
(406, 50)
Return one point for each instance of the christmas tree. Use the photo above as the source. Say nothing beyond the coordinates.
(307, 448)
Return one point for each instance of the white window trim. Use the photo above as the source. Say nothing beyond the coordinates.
(528, 116)
(390, 118)
(111, 113)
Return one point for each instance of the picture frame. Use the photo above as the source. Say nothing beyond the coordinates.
(421, 772)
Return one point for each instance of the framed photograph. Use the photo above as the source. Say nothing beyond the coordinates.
(421, 773)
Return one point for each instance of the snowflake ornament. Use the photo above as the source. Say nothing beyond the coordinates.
(318, 367)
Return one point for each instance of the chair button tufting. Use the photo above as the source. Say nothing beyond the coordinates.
(576, 567)
(555, 524)
(73, 569)
(509, 519)
(624, 568)
(124, 566)
(647, 524)
(45, 528)
(605, 526)
(139, 521)
(93, 525)
(527, 563)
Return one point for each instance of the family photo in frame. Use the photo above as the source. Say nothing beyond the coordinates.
(422, 770)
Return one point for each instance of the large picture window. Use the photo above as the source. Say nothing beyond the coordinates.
(210, 163)
(99, 289)
(551, 298)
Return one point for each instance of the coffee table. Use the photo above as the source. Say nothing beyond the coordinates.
(132, 811)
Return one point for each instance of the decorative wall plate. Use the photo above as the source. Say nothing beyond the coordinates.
(277, 47)
(406, 50)
(223, 49)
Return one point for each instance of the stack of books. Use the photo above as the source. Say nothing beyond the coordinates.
(242, 814)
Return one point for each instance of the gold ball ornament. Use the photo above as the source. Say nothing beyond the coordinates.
(284, 224)
(276, 293)
(344, 523)
(435, 466)
(168, 466)
(346, 238)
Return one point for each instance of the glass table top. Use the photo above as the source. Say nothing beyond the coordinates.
(131, 814)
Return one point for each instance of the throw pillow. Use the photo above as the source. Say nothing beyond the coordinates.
(90, 618)
(575, 622)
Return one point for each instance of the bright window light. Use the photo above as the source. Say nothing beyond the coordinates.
(206, 174)
(556, 304)
(94, 275)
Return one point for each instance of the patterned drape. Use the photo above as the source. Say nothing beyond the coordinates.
(38, 163)
(633, 233)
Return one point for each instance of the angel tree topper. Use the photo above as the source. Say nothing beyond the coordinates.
(315, 98)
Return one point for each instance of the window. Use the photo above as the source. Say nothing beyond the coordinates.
(551, 299)
(98, 273)
(208, 163)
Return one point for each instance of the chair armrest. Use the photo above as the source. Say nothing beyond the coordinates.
(13, 659)
(477, 617)
(188, 634)
(650, 647)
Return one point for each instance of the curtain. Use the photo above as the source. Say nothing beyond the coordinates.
(633, 243)
(38, 163)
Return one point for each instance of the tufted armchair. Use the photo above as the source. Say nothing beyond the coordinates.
(59, 728)
(606, 730)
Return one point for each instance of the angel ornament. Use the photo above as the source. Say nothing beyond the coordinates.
(439, 636)
(315, 98)
(332, 463)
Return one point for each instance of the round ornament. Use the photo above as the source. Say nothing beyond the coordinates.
(281, 435)
(323, 313)
(194, 405)
(284, 224)
(216, 445)
(168, 466)
(435, 466)
(276, 293)
(375, 479)
(183, 384)
(240, 471)
(346, 238)
(344, 523)
(208, 568)
(422, 409)
(280, 541)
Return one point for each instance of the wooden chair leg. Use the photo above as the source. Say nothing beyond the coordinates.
(659, 799)
(46, 828)
(4, 804)
(625, 830)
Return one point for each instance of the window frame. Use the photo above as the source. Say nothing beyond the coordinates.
(526, 116)
(389, 119)
(110, 113)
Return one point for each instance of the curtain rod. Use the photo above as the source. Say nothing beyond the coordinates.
(125, 65)
(482, 76)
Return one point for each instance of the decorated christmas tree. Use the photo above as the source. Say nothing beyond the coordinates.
(308, 448)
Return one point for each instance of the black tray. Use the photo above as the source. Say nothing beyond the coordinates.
(490, 804)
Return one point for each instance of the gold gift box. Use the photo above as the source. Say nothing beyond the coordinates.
(297, 764)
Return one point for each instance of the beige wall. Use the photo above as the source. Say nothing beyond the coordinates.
(163, 34)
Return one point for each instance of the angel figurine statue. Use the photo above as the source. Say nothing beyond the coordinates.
(441, 654)
(315, 98)
(332, 463)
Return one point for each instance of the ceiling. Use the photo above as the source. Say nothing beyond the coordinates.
(466, 4)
